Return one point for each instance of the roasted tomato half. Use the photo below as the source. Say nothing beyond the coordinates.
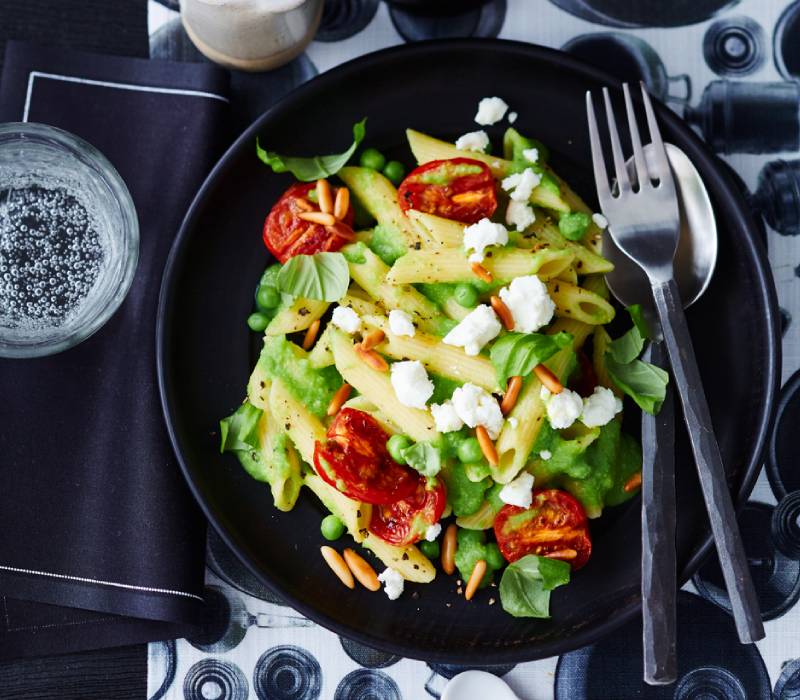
(354, 460)
(554, 525)
(287, 235)
(404, 522)
(459, 188)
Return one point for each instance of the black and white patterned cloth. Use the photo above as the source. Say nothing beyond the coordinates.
(728, 66)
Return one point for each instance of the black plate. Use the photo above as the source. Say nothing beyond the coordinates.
(204, 347)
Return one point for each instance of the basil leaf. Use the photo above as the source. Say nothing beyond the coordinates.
(646, 384)
(526, 584)
(637, 316)
(518, 353)
(322, 276)
(239, 431)
(627, 347)
(315, 167)
(423, 457)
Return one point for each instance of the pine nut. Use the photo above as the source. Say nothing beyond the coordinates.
(474, 579)
(324, 196)
(304, 204)
(467, 197)
(503, 312)
(342, 230)
(633, 483)
(566, 554)
(338, 566)
(317, 217)
(449, 544)
(372, 339)
(548, 379)
(338, 399)
(481, 272)
(372, 359)
(512, 394)
(342, 204)
(311, 335)
(487, 446)
(361, 569)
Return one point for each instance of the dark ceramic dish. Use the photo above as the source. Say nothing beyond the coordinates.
(205, 350)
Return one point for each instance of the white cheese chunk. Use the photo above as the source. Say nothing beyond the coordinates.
(392, 582)
(475, 406)
(482, 234)
(476, 329)
(491, 110)
(400, 323)
(530, 305)
(433, 532)
(445, 417)
(531, 155)
(563, 409)
(411, 384)
(345, 318)
(600, 408)
(600, 221)
(518, 492)
(521, 184)
(473, 141)
(545, 455)
(512, 117)
(519, 215)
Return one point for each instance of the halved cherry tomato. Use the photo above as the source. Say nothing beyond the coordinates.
(287, 235)
(555, 523)
(404, 522)
(355, 461)
(459, 188)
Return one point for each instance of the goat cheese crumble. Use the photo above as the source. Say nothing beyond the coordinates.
(476, 329)
(473, 141)
(545, 455)
(411, 383)
(531, 155)
(482, 234)
(530, 305)
(512, 117)
(400, 323)
(600, 221)
(345, 318)
(475, 406)
(392, 582)
(521, 185)
(491, 110)
(433, 532)
(600, 408)
(519, 215)
(564, 409)
(518, 492)
(445, 417)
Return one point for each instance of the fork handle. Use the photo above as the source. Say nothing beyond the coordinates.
(713, 482)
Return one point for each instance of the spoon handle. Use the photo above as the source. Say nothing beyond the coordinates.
(713, 481)
(659, 579)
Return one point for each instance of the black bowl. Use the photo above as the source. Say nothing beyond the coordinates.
(205, 349)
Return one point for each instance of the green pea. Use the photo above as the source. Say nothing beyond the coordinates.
(395, 171)
(430, 549)
(257, 321)
(372, 158)
(267, 297)
(396, 444)
(331, 527)
(574, 225)
(466, 295)
(494, 560)
(470, 450)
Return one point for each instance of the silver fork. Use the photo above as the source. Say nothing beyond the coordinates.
(644, 225)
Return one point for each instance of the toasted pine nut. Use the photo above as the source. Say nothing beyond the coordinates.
(324, 196)
(633, 483)
(338, 566)
(342, 203)
(304, 204)
(503, 312)
(317, 217)
(566, 554)
(372, 359)
(311, 335)
(548, 379)
(342, 230)
(449, 544)
(512, 393)
(373, 338)
(338, 399)
(474, 579)
(361, 569)
(467, 197)
(487, 446)
(481, 272)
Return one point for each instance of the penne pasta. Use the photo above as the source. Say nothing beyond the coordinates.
(303, 428)
(297, 316)
(579, 303)
(446, 232)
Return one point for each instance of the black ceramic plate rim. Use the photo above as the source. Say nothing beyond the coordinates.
(787, 395)
(729, 197)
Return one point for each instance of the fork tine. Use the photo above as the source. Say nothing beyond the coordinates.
(620, 170)
(642, 175)
(661, 162)
(600, 174)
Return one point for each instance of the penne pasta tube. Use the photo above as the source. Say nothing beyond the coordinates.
(579, 304)
(298, 316)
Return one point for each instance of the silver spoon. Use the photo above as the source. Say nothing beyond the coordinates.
(695, 260)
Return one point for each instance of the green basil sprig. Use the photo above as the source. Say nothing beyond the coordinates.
(322, 276)
(239, 431)
(518, 353)
(526, 585)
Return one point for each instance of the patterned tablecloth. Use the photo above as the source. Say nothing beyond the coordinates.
(728, 67)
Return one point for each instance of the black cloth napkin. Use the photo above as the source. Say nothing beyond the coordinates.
(100, 541)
